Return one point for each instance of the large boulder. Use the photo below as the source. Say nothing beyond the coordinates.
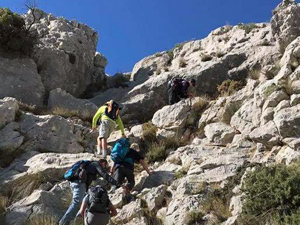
(50, 133)
(20, 79)
(10, 138)
(65, 52)
(8, 110)
(219, 133)
(172, 116)
(61, 101)
(285, 22)
(54, 203)
(287, 121)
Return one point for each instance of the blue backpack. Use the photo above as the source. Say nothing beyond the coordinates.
(120, 150)
(77, 171)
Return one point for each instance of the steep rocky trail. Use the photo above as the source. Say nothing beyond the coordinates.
(200, 153)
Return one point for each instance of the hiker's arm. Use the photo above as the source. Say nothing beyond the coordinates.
(120, 125)
(112, 169)
(83, 206)
(106, 176)
(144, 164)
(113, 211)
(96, 116)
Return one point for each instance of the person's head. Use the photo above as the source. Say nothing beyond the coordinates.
(114, 107)
(193, 82)
(103, 163)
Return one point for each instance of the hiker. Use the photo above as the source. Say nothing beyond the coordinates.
(108, 115)
(96, 208)
(80, 180)
(180, 88)
(125, 168)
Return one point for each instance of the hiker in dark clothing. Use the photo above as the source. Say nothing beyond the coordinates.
(125, 169)
(80, 186)
(96, 208)
(180, 88)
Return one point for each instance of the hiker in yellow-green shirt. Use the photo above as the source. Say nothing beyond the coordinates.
(108, 115)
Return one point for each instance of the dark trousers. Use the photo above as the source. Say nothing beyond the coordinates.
(173, 96)
(121, 173)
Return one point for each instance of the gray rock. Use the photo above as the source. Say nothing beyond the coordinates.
(64, 54)
(287, 155)
(50, 134)
(266, 134)
(172, 116)
(154, 197)
(10, 138)
(100, 60)
(62, 102)
(284, 22)
(219, 133)
(295, 99)
(287, 121)
(20, 79)
(8, 110)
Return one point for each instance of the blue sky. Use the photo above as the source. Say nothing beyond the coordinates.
(130, 30)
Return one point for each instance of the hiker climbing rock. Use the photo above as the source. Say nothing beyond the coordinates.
(80, 176)
(108, 115)
(124, 158)
(96, 208)
(181, 88)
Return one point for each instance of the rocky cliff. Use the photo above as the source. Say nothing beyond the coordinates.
(204, 152)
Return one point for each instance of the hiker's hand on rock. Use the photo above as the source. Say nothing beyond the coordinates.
(92, 130)
(150, 172)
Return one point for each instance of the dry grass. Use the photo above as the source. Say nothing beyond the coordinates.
(43, 219)
(229, 87)
(25, 185)
(254, 73)
(194, 217)
(158, 150)
(247, 27)
(33, 108)
(206, 57)
(149, 132)
(182, 63)
(85, 115)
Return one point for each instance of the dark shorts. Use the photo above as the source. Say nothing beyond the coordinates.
(121, 173)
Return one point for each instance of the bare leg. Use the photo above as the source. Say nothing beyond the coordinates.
(104, 147)
(98, 146)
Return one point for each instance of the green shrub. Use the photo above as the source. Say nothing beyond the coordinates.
(272, 195)
(229, 87)
(247, 27)
(194, 217)
(149, 132)
(180, 173)
(14, 37)
(270, 89)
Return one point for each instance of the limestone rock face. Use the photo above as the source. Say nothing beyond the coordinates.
(8, 109)
(171, 116)
(20, 79)
(10, 138)
(287, 121)
(53, 202)
(50, 134)
(219, 133)
(61, 100)
(65, 53)
(284, 22)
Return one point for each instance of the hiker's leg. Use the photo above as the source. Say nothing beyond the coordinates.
(78, 190)
(130, 178)
(104, 146)
(119, 175)
(98, 146)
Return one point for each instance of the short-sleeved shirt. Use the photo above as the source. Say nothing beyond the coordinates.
(191, 89)
(134, 155)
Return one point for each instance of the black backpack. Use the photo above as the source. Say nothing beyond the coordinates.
(98, 200)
